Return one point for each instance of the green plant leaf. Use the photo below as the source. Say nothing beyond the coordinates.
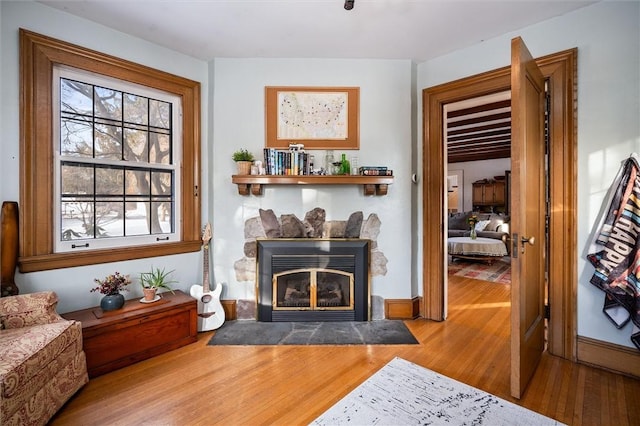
(157, 278)
(242, 155)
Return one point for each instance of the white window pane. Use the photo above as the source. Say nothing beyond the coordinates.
(108, 103)
(137, 222)
(109, 219)
(76, 97)
(76, 138)
(109, 181)
(108, 142)
(76, 179)
(135, 109)
(74, 219)
(136, 145)
(161, 183)
(160, 148)
(163, 211)
(137, 182)
(160, 114)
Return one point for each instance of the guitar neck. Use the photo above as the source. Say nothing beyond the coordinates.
(205, 277)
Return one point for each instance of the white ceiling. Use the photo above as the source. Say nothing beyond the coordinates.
(375, 29)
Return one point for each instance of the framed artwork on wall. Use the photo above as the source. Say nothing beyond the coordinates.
(316, 117)
(455, 191)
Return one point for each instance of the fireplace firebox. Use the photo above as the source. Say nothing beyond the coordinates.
(313, 280)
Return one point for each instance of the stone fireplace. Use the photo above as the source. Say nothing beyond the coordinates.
(313, 228)
(313, 280)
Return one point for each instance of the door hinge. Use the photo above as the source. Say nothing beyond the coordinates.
(547, 311)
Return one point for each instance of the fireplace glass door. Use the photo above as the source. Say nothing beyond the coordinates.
(313, 289)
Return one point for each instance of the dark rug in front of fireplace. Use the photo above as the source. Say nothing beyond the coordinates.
(249, 332)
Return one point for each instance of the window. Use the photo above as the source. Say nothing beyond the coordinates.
(116, 162)
(110, 152)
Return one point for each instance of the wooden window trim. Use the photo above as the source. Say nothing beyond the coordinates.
(38, 55)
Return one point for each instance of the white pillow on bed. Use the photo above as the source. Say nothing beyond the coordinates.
(480, 225)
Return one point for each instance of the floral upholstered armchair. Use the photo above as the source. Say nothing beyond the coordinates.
(42, 363)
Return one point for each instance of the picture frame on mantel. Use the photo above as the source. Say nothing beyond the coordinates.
(316, 117)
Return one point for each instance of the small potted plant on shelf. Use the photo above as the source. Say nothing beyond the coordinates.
(243, 159)
(111, 286)
(152, 281)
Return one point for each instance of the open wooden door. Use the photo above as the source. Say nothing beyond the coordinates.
(527, 216)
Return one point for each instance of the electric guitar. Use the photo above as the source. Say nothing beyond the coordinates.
(210, 311)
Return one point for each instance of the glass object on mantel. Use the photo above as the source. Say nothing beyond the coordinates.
(328, 162)
(354, 165)
(345, 166)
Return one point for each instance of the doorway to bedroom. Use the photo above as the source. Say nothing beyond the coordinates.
(560, 71)
(477, 142)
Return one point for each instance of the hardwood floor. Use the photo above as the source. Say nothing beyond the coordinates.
(292, 385)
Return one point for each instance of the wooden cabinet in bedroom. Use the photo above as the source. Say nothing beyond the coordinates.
(489, 193)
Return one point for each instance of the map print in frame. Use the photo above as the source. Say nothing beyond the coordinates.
(312, 115)
(317, 117)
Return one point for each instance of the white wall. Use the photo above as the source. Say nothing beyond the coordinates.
(607, 36)
(608, 40)
(236, 120)
(385, 139)
(73, 284)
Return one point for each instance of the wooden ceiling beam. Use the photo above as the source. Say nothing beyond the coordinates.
(487, 148)
(462, 157)
(492, 126)
(481, 119)
(480, 136)
(482, 132)
(491, 146)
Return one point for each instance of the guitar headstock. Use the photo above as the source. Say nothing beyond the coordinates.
(206, 234)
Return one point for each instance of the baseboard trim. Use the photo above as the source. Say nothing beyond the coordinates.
(616, 358)
(402, 308)
(230, 312)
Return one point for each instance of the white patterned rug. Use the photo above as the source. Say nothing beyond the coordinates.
(403, 393)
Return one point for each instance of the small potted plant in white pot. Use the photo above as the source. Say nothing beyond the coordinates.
(152, 281)
(243, 159)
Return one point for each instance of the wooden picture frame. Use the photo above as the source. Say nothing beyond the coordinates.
(316, 117)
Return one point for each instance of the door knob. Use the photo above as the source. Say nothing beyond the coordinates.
(530, 240)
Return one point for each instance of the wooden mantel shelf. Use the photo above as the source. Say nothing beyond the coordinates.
(373, 185)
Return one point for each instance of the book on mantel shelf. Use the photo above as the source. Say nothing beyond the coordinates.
(375, 171)
(286, 162)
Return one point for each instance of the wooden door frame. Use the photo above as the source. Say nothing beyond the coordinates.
(560, 70)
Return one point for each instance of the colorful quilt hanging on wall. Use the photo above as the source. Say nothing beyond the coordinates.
(615, 250)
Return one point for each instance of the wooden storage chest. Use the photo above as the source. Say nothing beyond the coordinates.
(138, 331)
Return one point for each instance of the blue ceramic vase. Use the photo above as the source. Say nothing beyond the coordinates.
(112, 302)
